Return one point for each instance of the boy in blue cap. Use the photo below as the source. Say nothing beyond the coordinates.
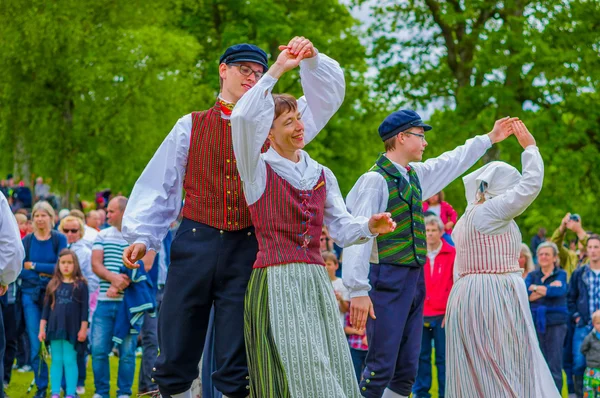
(385, 277)
(215, 247)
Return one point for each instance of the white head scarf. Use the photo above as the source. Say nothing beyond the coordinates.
(493, 179)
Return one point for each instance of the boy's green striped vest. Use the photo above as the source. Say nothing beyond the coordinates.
(406, 245)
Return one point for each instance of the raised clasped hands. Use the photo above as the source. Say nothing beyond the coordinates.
(291, 54)
(503, 128)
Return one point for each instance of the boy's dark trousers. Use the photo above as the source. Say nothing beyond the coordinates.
(398, 294)
(208, 266)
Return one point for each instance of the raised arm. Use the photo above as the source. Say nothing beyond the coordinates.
(251, 121)
(11, 248)
(155, 201)
(502, 209)
(435, 174)
(324, 90)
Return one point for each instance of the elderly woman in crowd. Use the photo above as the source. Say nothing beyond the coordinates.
(526, 260)
(492, 348)
(547, 288)
(41, 253)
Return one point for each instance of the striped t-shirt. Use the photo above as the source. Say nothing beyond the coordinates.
(112, 243)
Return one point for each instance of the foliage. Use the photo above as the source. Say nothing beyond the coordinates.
(479, 60)
(92, 88)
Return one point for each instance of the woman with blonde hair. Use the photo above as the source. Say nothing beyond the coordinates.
(526, 260)
(41, 254)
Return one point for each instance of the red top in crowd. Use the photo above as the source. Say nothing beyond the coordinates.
(438, 282)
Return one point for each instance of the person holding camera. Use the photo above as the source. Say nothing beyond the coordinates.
(571, 260)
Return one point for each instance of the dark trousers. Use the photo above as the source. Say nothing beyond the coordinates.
(2, 347)
(568, 356)
(11, 336)
(395, 336)
(432, 332)
(149, 336)
(208, 266)
(358, 360)
(551, 344)
(209, 365)
(23, 354)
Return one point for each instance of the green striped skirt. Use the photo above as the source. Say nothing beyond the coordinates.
(295, 344)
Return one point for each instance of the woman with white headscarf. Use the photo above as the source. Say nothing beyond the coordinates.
(492, 348)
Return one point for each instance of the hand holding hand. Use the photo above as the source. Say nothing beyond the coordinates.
(132, 254)
(503, 129)
(300, 46)
(360, 307)
(381, 223)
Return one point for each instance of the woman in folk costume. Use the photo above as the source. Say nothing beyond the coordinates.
(294, 341)
(492, 348)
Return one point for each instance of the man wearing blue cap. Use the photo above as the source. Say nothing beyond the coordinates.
(215, 247)
(385, 277)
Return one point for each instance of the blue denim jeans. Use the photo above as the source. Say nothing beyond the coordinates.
(33, 314)
(432, 332)
(103, 325)
(578, 357)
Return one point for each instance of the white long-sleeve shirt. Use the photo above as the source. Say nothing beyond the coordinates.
(496, 214)
(370, 196)
(251, 121)
(155, 201)
(12, 252)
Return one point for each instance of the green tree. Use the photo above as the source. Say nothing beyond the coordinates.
(86, 87)
(480, 60)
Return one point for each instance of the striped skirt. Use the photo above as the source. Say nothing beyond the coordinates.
(492, 349)
(295, 345)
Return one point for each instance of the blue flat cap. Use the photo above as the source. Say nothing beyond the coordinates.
(400, 121)
(245, 53)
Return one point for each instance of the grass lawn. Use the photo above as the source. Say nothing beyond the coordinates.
(20, 381)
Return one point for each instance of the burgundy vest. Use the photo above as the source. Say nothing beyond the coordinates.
(288, 222)
(213, 189)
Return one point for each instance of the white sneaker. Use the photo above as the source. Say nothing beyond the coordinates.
(97, 396)
(25, 369)
(80, 390)
(123, 396)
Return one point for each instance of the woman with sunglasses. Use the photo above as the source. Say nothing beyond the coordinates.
(294, 342)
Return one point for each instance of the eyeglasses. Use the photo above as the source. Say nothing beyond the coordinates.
(421, 136)
(73, 231)
(247, 71)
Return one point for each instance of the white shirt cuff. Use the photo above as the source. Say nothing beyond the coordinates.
(359, 293)
(310, 63)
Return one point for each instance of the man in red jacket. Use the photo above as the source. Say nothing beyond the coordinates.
(439, 270)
